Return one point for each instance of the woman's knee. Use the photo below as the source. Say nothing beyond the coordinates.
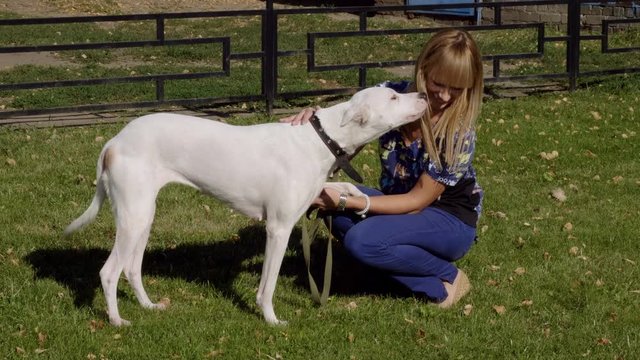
(361, 244)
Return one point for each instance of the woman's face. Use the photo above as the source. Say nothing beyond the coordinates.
(441, 95)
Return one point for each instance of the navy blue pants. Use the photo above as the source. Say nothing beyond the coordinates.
(414, 249)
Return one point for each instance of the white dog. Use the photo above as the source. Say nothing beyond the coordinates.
(270, 171)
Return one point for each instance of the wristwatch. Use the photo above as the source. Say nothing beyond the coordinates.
(342, 202)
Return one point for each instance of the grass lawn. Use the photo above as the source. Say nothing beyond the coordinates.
(555, 269)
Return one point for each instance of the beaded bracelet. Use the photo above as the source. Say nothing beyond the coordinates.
(363, 212)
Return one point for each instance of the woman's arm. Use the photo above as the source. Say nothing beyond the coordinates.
(425, 192)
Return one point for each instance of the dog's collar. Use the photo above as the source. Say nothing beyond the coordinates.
(342, 158)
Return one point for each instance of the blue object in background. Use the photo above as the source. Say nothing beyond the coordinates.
(457, 12)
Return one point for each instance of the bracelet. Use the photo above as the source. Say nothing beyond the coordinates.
(363, 212)
(342, 202)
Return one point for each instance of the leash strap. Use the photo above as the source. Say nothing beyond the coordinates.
(342, 158)
(310, 229)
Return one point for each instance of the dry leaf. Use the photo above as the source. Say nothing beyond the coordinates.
(574, 250)
(604, 341)
(494, 267)
(467, 309)
(520, 271)
(559, 195)
(95, 325)
(596, 115)
(214, 353)
(526, 302)
(549, 156)
(11, 162)
(351, 306)
(617, 179)
(492, 282)
(499, 309)
(351, 337)
(42, 338)
(590, 154)
(568, 227)
(99, 139)
(599, 282)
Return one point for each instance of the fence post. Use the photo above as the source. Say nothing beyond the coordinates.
(573, 46)
(269, 63)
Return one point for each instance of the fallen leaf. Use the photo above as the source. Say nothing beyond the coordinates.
(599, 282)
(567, 227)
(467, 309)
(526, 302)
(617, 179)
(520, 271)
(574, 250)
(99, 139)
(603, 341)
(214, 353)
(549, 156)
(351, 306)
(559, 195)
(11, 162)
(351, 337)
(499, 309)
(590, 154)
(42, 338)
(95, 325)
(596, 115)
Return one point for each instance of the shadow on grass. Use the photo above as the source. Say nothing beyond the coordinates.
(215, 264)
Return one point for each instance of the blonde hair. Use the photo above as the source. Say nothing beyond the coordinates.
(450, 57)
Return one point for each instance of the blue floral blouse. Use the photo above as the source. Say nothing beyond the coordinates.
(403, 164)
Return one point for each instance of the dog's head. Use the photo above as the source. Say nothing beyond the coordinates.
(385, 107)
(377, 110)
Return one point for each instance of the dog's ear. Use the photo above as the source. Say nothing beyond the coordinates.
(359, 113)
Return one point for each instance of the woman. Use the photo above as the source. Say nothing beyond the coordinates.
(424, 216)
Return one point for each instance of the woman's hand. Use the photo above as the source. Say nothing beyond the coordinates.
(300, 118)
(327, 200)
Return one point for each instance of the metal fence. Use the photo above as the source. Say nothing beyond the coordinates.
(270, 52)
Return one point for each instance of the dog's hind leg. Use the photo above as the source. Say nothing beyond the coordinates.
(133, 269)
(133, 201)
(277, 239)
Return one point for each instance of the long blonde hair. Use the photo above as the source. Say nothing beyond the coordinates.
(450, 57)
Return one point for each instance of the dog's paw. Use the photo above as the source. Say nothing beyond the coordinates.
(120, 322)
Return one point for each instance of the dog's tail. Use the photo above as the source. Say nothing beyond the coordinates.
(101, 193)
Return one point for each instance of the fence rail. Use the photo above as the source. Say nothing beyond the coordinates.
(270, 54)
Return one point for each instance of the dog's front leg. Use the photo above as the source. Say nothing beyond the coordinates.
(277, 239)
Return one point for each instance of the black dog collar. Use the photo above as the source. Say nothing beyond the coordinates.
(342, 157)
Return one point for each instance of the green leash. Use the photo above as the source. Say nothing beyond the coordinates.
(310, 229)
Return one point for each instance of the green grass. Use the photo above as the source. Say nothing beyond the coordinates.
(566, 294)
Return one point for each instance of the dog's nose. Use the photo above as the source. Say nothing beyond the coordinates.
(422, 95)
